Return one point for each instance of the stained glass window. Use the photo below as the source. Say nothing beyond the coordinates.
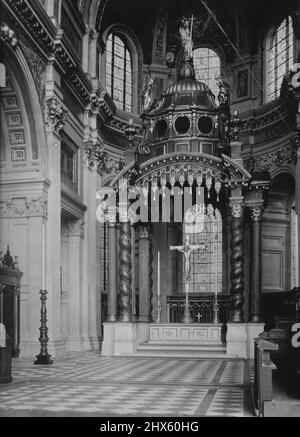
(207, 265)
(119, 72)
(207, 67)
(280, 57)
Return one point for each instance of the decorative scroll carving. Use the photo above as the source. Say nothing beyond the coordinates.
(125, 273)
(237, 261)
(56, 115)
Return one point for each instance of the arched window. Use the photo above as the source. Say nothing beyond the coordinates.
(119, 72)
(207, 67)
(280, 57)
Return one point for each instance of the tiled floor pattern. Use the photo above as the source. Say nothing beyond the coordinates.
(89, 384)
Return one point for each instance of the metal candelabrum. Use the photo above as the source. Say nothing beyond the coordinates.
(43, 358)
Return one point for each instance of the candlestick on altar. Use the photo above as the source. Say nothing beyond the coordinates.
(216, 310)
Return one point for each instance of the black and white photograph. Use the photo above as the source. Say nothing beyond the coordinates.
(149, 212)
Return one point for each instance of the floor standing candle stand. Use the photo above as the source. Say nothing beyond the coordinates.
(44, 358)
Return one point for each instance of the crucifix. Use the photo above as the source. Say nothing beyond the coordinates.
(198, 317)
(187, 250)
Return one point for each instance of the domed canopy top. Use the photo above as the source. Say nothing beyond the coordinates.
(186, 93)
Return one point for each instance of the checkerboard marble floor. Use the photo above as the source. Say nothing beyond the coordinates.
(91, 385)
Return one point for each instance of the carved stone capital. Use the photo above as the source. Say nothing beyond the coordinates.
(97, 157)
(55, 115)
(237, 207)
(144, 232)
(257, 213)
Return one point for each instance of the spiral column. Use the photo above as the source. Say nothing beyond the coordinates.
(237, 259)
(125, 270)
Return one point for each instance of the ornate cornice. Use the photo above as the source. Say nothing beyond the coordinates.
(286, 155)
(45, 37)
(24, 207)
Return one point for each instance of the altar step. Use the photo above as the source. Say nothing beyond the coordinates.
(181, 350)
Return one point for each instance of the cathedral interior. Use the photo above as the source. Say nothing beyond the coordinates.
(150, 202)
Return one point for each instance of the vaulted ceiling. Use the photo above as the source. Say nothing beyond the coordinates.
(253, 16)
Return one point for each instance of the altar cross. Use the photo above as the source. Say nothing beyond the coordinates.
(187, 250)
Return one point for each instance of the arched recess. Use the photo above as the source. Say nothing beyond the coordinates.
(136, 52)
(22, 120)
(278, 242)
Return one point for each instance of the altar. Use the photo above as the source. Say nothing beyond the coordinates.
(189, 334)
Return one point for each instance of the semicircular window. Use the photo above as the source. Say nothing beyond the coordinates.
(182, 125)
(161, 129)
(205, 125)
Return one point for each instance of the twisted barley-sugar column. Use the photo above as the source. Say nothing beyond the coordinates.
(237, 262)
(125, 285)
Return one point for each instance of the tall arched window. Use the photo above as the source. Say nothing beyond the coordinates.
(207, 67)
(119, 72)
(280, 57)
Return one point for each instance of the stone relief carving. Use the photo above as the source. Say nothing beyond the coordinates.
(24, 207)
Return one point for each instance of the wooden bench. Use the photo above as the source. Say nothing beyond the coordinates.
(263, 368)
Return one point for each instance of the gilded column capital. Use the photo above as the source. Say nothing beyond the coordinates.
(236, 207)
(144, 232)
(256, 213)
